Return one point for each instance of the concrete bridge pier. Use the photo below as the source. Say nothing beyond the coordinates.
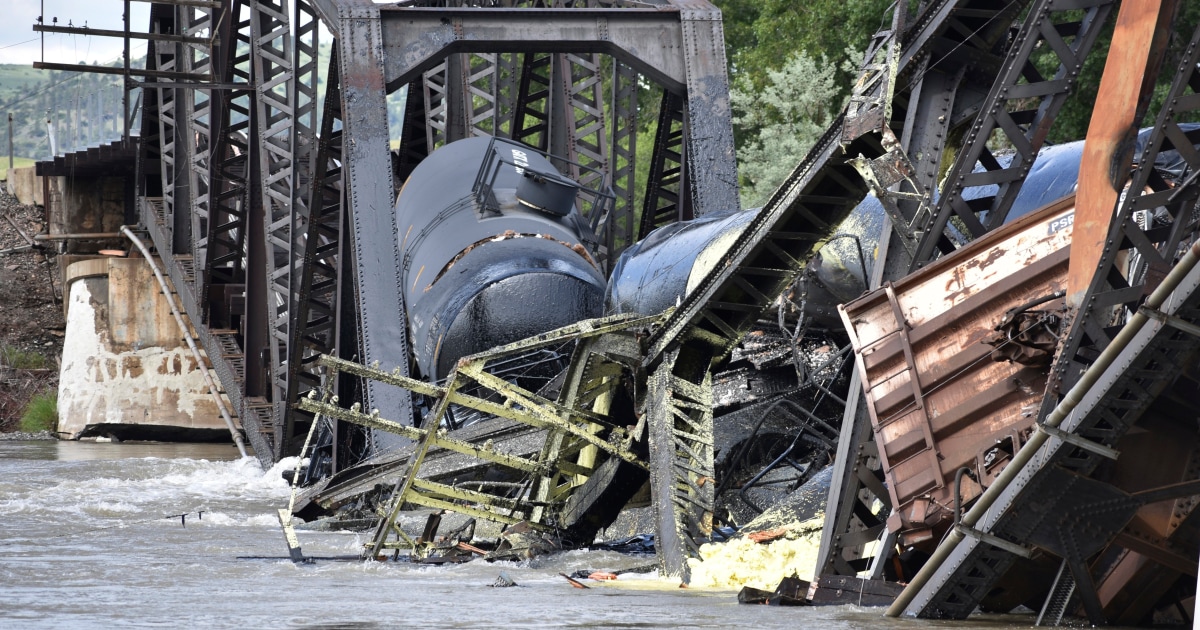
(126, 373)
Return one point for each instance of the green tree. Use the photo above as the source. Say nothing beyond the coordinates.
(761, 35)
(780, 122)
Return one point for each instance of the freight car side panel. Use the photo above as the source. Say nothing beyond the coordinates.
(938, 399)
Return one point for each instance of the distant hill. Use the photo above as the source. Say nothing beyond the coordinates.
(17, 79)
(85, 108)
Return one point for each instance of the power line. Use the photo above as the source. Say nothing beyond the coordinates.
(19, 43)
(54, 85)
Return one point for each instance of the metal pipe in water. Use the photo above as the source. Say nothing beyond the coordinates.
(183, 329)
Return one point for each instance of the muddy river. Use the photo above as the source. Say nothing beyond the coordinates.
(93, 537)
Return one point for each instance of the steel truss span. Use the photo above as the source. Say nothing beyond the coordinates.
(265, 189)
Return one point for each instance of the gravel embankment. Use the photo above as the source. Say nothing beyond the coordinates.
(18, 436)
(31, 321)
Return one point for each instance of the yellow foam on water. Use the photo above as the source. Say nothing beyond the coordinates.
(743, 562)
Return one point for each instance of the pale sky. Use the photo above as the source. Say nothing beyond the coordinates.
(18, 17)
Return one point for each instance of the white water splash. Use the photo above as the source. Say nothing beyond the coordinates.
(141, 488)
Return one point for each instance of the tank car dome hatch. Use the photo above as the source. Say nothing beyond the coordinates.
(548, 192)
(482, 269)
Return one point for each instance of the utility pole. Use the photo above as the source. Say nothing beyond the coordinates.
(50, 134)
(10, 144)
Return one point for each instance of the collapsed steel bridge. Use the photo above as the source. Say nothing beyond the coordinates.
(237, 176)
(250, 183)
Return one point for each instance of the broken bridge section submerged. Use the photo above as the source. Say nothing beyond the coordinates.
(304, 232)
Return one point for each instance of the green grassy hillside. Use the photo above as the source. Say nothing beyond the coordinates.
(18, 162)
(16, 80)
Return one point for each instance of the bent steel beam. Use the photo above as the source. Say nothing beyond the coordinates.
(1112, 381)
(1139, 42)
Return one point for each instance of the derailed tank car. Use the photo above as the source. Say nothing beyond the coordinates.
(494, 251)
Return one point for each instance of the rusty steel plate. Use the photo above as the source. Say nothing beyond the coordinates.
(940, 397)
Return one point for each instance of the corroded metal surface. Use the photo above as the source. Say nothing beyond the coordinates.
(1138, 45)
(575, 434)
(330, 250)
(938, 400)
(1021, 107)
(1116, 383)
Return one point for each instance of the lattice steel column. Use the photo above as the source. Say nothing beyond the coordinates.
(682, 477)
(508, 85)
(304, 128)
(275, 114)
(315, 325)
(532, 112)
(622, 159)
(480, 93)
(165, 55)
(198, 110)
(666, 190)
(301, 227)
(225, 260)
(583, 126)
(433, 83)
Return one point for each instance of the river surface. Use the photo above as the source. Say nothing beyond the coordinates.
(91, 537)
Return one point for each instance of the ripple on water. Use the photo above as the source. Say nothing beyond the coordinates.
(87, 543)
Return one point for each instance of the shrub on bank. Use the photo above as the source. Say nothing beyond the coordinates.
(19, 359)
(41, 414)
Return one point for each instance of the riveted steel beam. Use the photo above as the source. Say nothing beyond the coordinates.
(1113, 380)
(369, 191)
(1021, 108)
(416, 38)
(679, 45)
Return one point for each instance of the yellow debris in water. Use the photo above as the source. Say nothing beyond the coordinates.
(742, 562)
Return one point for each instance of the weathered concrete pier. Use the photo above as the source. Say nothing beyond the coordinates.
(126, 371)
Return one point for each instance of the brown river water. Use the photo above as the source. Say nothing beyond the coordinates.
(91, 538)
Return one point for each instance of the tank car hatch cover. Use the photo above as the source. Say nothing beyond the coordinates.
(548, 192)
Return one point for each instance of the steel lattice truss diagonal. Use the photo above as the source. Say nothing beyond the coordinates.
(1022, 105)
(275, 109)
(1144, 242)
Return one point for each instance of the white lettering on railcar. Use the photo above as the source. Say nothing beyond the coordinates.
(1062, 223)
